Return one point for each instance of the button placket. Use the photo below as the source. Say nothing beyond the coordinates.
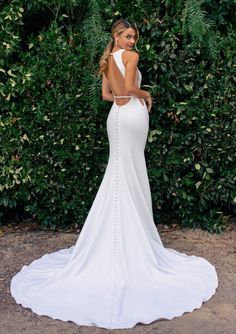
(116, 200)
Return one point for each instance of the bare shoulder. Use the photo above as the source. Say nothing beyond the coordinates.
(131, 56)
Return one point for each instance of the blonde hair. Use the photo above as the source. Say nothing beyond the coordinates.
(118, 27)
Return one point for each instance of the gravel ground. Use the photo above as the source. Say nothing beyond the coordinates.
(21, 245)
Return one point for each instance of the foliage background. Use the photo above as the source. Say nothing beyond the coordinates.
(53, 139)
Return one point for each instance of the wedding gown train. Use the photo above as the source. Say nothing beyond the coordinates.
(118, 273)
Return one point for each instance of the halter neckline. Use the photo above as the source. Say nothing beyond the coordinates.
(116, 51)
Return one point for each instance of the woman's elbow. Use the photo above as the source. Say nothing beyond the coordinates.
(104, 97)
(107, 97)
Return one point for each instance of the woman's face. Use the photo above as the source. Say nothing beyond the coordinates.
(127, 39)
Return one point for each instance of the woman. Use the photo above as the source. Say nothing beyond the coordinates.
(127, 83)
(118, 273)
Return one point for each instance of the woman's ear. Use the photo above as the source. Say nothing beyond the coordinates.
(116, 35)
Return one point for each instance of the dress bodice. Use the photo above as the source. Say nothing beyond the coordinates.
(118, 59)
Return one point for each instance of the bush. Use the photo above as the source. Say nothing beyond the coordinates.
(53, 137)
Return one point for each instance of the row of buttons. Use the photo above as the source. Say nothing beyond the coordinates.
(116, 165)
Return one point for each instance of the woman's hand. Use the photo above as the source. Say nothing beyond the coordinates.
(148, 101)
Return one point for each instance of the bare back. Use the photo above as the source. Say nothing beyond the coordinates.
(115, 75)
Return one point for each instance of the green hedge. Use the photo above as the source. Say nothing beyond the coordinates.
(54, 145)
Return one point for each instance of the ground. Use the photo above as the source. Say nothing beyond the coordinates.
(20, 245)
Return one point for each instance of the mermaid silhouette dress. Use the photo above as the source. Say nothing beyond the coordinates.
(118, 273)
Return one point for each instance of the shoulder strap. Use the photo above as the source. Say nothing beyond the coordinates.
(118, 59)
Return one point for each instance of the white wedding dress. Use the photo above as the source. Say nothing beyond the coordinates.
(118, 273)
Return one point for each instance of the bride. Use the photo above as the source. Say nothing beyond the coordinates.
(118, 273)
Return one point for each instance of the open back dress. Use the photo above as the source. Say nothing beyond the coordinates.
(118, 273)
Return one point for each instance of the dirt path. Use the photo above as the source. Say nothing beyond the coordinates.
(216, 316)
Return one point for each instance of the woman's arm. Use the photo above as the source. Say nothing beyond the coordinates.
(131, 63)
(106, 90)
(131, 59)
